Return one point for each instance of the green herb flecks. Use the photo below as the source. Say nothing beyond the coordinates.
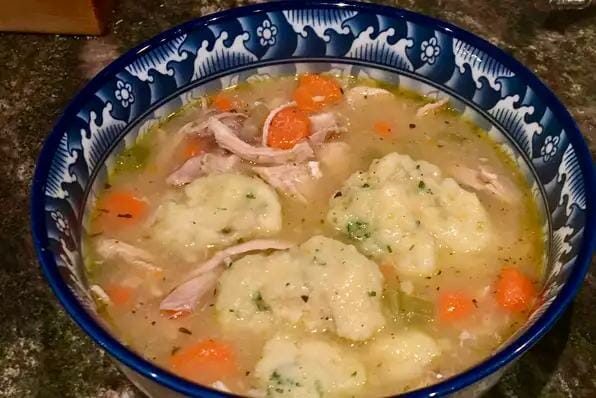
(423, 188)
(133, 158)
(260, 303)
(358, 230)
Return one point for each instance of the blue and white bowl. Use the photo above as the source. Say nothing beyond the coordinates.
(282, 38)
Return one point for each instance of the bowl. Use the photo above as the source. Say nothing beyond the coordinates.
(414, 51)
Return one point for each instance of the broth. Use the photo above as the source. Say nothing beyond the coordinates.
(373, 125)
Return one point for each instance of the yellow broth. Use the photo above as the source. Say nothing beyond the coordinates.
(442, 138)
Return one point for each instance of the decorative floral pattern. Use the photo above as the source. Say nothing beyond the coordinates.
(549, 149)
(124, 93)
(61, 223)
(430, 50)
(267, 32)
(358, 40)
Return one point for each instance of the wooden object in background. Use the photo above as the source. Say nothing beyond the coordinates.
(55, 16)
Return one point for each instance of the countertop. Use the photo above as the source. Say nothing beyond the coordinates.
(44, 354)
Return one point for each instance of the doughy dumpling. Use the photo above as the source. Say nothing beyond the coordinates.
(258, 290)
(404, 211)
(215, 211)
(344, 284)
(308, 368)
(400, 357)
(323, 283)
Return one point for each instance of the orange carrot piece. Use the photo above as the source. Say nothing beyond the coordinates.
(515, 292)
(314, 92)
(383, 129)
(223, 102)
(192, 147)
(388, 271)
(120, 208)
(119, 295)
(205, 362)
(288, 126)
(454, 306)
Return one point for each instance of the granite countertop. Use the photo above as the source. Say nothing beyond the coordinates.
(44, 354)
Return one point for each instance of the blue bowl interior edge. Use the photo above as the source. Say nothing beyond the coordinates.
(120, 352)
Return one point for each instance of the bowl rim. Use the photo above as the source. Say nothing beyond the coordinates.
(167, 379)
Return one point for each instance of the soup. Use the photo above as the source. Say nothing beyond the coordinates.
(314, 236)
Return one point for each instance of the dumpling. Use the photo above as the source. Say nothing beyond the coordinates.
(308, 368)
(215, 211)
(400, 357)
(344, 284)
(405, 211)
(257, 291)
(324, 284)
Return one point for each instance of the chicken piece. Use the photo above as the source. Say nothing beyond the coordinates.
(100, 295)
(226, 139)
(112, 249)
(323, 124)
(250, 246)
(293, 180)
(185, 296)
(359, 93)
(433, 106)
(484, 180)
(203, 164)
(201, 129)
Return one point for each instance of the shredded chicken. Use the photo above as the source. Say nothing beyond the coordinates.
(228, 140)
(291, 179)
(269, 119)
(482, 179)
(203, 164)
(354, 95)
(115, 249)
(184, 297)
(423, 110)
(322, 124)
(251, 245)
(201, 129)
(100, 294)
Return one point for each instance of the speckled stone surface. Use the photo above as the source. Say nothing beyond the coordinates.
(44, 354)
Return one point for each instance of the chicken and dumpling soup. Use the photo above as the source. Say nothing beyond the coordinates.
(312, 236)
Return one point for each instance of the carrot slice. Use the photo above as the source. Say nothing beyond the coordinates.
(388, 271)
(383, 128)
(120, 208)
(515, 292)
(119, 295)
(192, 147)
(454, 306)
(314, 92)
(287, 127)
(222, 102)
(205, 362)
